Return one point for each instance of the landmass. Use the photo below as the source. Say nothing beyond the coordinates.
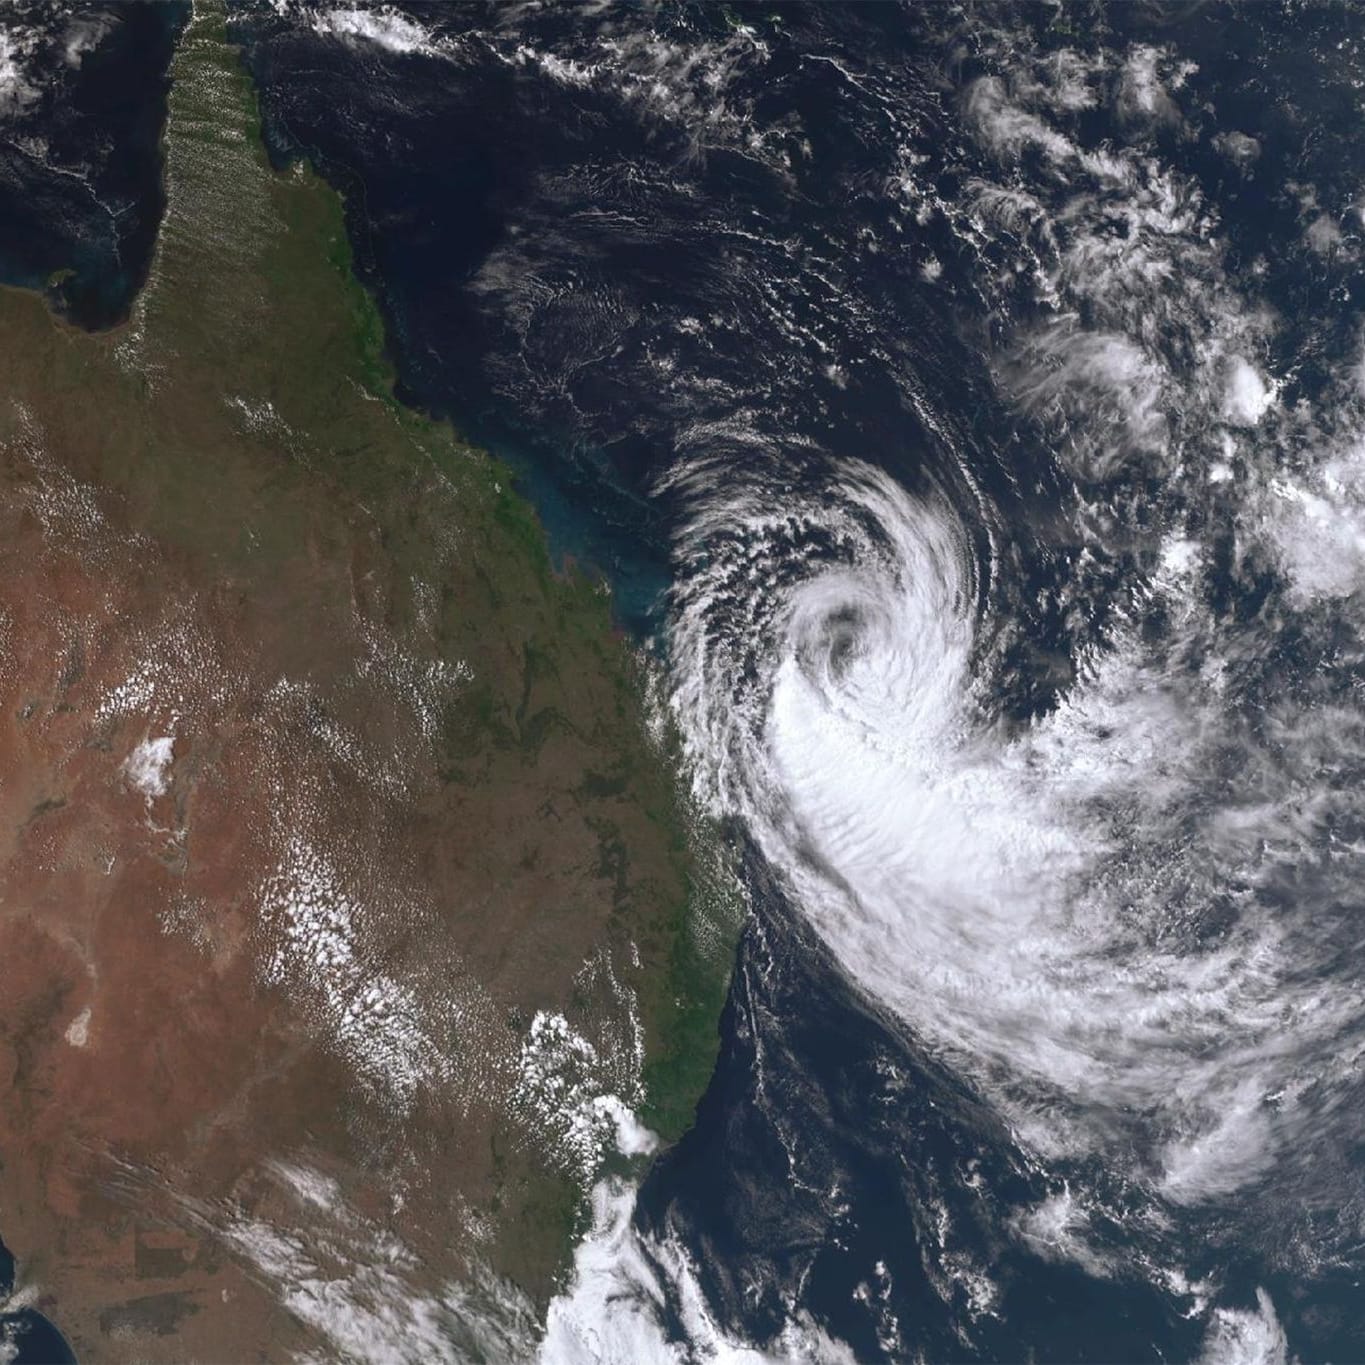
(353, 913)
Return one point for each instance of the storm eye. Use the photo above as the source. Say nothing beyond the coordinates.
(843, 634)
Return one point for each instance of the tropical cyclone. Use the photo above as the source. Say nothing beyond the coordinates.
(350, 915)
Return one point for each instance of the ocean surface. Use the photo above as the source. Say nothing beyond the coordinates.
(962, 387)
(967, 405)
(82, 99)
(26, 1336)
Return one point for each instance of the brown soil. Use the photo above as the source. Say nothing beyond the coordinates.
(316, 786)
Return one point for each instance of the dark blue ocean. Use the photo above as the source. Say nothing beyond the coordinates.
(592, 279)
(30, 1337)
(80, 173)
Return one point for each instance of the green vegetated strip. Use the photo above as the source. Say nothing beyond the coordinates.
(700, 955)
(317, 355)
